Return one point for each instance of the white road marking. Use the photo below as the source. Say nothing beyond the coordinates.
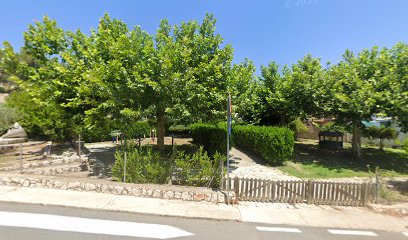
(352, 232)
(87, 225)
(405, 233)
(278, 229)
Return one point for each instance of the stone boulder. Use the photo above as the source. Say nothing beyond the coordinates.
(15, 132)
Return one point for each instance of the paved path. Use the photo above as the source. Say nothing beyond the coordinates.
(286, 214)
(249, 166)
(64, 223)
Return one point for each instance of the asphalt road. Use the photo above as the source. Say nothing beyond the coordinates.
(37, 222)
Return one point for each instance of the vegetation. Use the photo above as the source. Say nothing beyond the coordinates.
(381, 133)
(146, 165)
(198, 169)
(8, 116)
(117, 76)
(213, 137)
(274, 144)
(179, 130)
(309, 161)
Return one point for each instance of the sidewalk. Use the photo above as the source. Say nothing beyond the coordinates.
(300, 215)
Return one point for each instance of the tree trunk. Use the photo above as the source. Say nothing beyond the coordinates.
(356, 141)
(381, 143)
(160, 129)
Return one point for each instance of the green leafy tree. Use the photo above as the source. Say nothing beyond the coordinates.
(381, 133)
(117, 76)
(370, 83)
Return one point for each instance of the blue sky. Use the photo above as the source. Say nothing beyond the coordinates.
(280, 30)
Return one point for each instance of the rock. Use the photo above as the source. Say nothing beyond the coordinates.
(177, 195)
(73, 185)
(26, 183)
(118, 189)
(104, 188)
(15, 132)
(168, 195)
(156, 194)
(136, 191)
(186, 196)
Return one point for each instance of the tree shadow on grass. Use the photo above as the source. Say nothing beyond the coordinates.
(308, 153)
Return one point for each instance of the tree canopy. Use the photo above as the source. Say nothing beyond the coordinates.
(117, 75)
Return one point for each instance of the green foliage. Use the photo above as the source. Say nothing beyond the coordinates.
(198, 169)
(143, 165)
(381, 133)
(146, 165)
(213, 137)
(405, 145)
(8, 116)
(274, 144)
(179, 130)
(297, 126)
(2, 90)
(330, 127)
(116, 76)
(45, 120)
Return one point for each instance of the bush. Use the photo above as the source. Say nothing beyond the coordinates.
(145, 165)
(198, 169)
(213, 137)
(381, 133)
(142, 165)
(274, 144)
(179, 130)
(298, 127)
(8, 116)
(405, 145)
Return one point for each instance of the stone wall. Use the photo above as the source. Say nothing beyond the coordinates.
(138, 190)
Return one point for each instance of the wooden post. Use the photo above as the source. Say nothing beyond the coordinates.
(236, 187)
(79, 145)
(365, 193)
(21, 158)
(310, 190)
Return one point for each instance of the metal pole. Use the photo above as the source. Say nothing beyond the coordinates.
(21, 158)
(125, 158)
(124, 169)
(228, 135)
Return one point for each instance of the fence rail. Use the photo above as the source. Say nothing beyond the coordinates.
(300, 191)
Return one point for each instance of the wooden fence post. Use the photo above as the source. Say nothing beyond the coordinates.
(365, 195)
(310, 190)
(236, 187)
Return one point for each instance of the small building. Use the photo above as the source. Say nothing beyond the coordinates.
(331, 140)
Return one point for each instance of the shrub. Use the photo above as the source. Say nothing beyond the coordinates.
(405, 145)
(381, 133)
(179, 130)
(8, 116)
(198, 169)
(142, 165)
(298, 127)
(213, 137)
(274, 144)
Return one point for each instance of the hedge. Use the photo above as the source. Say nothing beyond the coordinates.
(274, 144)
(213, 137)
(179, 130)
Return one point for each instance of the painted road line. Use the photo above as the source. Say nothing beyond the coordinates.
(405, 233)
(87, 225)
(278, 229)
(352, 232)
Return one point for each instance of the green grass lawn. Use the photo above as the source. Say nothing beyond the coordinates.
(311, 162)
